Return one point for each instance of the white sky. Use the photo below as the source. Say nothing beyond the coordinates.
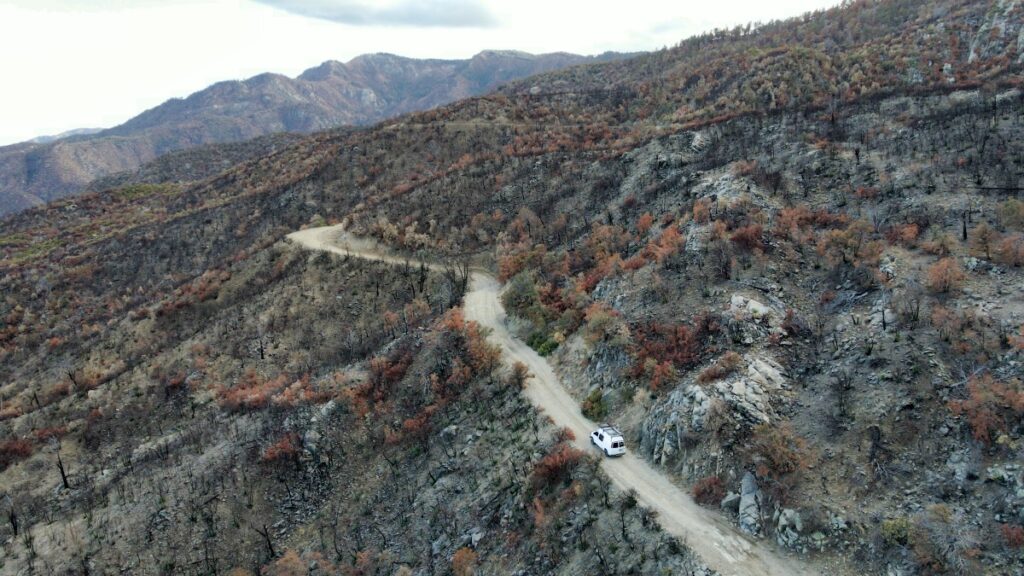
(95, 63)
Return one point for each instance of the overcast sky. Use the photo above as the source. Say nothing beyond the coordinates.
(71, 64)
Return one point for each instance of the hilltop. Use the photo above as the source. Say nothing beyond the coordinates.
(365, 90)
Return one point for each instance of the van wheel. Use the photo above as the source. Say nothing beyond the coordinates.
(592, 441)
(606, 452)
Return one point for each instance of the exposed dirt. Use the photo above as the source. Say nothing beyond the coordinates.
(720, 545)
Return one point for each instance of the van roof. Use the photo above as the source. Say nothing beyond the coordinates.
(609, 429)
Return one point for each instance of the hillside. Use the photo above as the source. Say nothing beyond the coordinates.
(803, 306)
(362, 91)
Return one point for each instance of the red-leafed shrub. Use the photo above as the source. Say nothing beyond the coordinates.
(1013, 534)
(945, 276)
(643, 224)
(749, 238)
(44, 434)
(14, 450)
(677, 344)
(708, 491)
(418, 428)
(556, 467)
(661, 373)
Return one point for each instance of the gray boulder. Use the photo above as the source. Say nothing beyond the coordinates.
(788, 529)
(731, 502)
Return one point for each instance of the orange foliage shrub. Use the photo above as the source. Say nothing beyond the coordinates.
(677, 344)
(537, 511)
(609, 265)
(702, 211)
(518, 259)
(483, 357)
(905, 234)
(1010, 250)
(520, 374)
(252, 392)
(301, 392)
(990, 405)
(289, 564)
(670, 242)
(945, 276)
(418, 427)
(635, 263)
(11, 410)
(795, 223)
(866, 193)
(643, 224)
(285, 448)
(778, 454)
(464, 562)
(708, 491)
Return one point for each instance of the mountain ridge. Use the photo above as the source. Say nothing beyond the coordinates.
(364, 90)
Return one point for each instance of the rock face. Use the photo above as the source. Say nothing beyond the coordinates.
(367, 89)
(745, 308)
(750, 505)
(788, 527)
(748, 395)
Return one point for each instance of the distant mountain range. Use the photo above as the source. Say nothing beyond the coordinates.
(67, 134)
(362, 91)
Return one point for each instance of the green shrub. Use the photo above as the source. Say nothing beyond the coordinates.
(521, 299)
(594, 406)
(896, 531)
(1011, 214)
(542, 343)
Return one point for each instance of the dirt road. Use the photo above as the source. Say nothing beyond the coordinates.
(707, 533)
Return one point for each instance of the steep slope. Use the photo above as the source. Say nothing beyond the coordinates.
(365, 90)
(724, 549)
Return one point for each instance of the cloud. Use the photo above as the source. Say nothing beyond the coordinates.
(413, 13)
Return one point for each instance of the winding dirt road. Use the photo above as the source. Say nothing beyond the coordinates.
(708, 534)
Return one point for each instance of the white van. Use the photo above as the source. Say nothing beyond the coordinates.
(609, 440)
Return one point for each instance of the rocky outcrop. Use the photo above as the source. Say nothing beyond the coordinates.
(748, 395)
(750, 505)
